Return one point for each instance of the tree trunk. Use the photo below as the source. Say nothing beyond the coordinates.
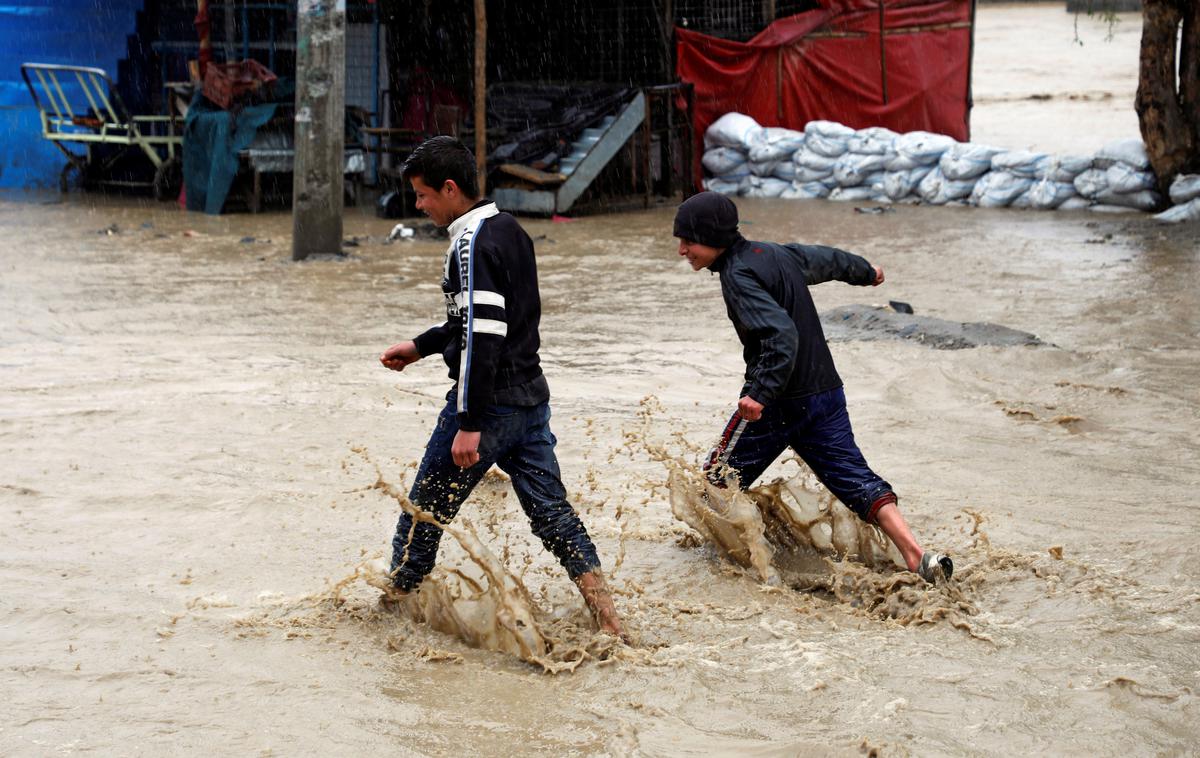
(1189, 74)
(1169, 134)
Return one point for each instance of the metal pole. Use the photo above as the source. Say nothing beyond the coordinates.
(317, 176)
(481, 93)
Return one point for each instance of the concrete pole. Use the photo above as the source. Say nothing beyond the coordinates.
(320, 127)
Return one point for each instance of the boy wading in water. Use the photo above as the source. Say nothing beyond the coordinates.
(793, 395)
(498, 410)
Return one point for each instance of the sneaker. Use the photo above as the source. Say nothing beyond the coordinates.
(935, 567)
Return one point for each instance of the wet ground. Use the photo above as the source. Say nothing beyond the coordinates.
(194, 431)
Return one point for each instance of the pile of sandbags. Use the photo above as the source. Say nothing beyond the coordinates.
(1185, 193)
(831, 160)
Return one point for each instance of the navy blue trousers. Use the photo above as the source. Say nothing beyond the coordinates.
(817, 427)
(519, 441)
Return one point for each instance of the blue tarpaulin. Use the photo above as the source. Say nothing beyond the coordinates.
(77, 32)
(212, 139)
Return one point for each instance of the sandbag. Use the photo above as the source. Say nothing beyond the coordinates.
(1131, 151)
(807, 190)
(852, 193)
(1046, 194)
(776, 144)
(827, 138)
(1185, 188)
(936, 189)
(734, 130)
(1019, 162)
(1075, 203)
(921, 147)
(851, 169)
(764, 187)
(1123, 177)
(827, 146)
(874, 140)
(806, 158)
(828, 129)
(722, 160)
(901, 184)
(997, 189)
(1107, 208)
(1091, 183)
(1146, 200)
(804, 174)
(764, 168)
(965, 160)
(1189, 211)
(722, 186)
(1063, 168)
(785, 170)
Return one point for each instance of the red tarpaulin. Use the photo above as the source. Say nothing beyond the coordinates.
(903, 64)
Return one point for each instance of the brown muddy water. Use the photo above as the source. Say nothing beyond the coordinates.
(195, 430)
(200, 455)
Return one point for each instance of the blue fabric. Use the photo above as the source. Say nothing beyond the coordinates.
(72, 32)
(817, 427)
(518, 440)
(212, 139)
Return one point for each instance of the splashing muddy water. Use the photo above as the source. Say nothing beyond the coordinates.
(180, 500)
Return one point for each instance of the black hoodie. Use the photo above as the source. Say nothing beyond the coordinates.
(765, 286)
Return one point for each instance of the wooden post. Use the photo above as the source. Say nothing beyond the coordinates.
(204, 30)
(481, 93)
(317, 177)
(647, 158)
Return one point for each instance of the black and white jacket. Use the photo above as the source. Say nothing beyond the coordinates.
(490, 337)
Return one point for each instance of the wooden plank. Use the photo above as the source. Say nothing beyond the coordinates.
(533, 175)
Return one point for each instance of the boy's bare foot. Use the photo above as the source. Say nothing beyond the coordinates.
(599, 601)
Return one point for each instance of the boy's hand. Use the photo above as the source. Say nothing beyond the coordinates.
(878, 276)
(400, 355)
(465, 448)
(750, 409)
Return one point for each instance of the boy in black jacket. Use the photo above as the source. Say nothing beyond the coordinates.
(498, 410)
(793, 395)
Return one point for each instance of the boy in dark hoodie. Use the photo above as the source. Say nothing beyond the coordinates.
(793, 395)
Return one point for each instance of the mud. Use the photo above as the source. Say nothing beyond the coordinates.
(868, 322)
(184, 506)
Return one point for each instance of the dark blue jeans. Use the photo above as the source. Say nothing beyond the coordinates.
(817, 427)
(519, 441)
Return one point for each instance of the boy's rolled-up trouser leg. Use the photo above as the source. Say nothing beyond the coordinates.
(825, 440)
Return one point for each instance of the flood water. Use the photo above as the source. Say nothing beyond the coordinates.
(198, 446)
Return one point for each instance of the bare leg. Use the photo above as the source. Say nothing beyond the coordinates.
(896, 528)
(599, 601)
